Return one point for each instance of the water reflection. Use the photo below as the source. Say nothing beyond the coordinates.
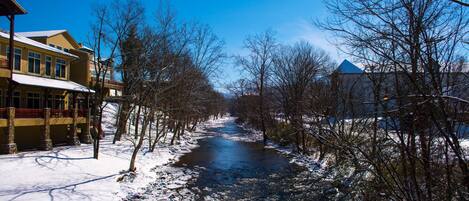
(233, 170)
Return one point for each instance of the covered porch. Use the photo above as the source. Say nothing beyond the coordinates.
(45, 112)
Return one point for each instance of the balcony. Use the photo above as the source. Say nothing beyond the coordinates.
(37, 117)
(111, 84)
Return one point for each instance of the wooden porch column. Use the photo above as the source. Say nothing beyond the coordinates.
(73, 138)
(9, 145)
(11, 58)
(46, 142)
(86, 130)
(46, 99)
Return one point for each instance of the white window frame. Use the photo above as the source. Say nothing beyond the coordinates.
(14, 57)
(45, 65)
(57, 63)
(36, 57)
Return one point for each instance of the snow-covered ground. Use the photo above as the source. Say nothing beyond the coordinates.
(70, 172)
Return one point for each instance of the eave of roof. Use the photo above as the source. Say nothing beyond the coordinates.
(27, 41)
(50, 33)
(32, 80)
(11, 7)
(39, 34)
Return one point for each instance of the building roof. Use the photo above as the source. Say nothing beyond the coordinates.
(38, 34)
(11, 7)
(85, 48)
(347, 67)
(49, 83)
(50, 33)
(27, 41)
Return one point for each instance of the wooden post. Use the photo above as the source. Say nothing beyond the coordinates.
(73, 138)
(46, 142)
(10, 60)
(9, 145)
(46, 99)
(86, 130)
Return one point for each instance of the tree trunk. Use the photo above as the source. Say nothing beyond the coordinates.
(139, 145)
(137, 119)
(122, 121)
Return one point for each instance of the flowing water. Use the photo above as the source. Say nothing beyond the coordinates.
(236, 170)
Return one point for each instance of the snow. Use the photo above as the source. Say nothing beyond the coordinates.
(33, 34)
(49, 83)
(70, 172)
(25, 40)
(83, 47)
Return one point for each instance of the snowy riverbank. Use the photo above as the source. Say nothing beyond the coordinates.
(70, 173)
(308, 161)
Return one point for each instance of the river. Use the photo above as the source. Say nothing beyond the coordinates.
(236, 170)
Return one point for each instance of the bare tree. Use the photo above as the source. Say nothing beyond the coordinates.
(258, 64)
(112, 23)
(295, 70)
(411, 51)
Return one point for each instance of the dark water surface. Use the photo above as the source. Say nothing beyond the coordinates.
(234, 170)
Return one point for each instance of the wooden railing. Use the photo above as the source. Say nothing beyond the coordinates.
(82, 112)
(29, 113)
(4, 63)
(3, 113)
(58, 113)
(39, 113)
(110, 82)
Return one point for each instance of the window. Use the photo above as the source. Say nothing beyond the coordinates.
(60, 67)
(34, 99)
(52, 45)
(34, 63)
(58, 47)
(59, 102)
(16, 59)
(49, 102)
(66, 50)
(48, 65)
(93, 71)
(16, 99)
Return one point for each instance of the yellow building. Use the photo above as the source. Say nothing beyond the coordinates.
(83, 70)
(44, 109)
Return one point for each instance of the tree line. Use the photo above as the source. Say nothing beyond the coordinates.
(393, 132)
(165, 65)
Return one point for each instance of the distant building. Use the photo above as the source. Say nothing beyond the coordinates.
(357, 85)
(353, 83)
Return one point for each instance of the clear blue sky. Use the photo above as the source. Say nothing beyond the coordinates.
(231, 20)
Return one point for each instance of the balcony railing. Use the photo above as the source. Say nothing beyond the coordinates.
(3, 113)
(29, 113)
(110, 82)
(82, 112)
(39, 113)
(3, 63)
(59, 113)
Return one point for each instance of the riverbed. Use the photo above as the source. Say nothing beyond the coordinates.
(222, 168)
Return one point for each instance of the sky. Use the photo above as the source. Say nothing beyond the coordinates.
(231, 20)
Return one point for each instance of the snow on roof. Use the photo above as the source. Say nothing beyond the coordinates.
(48, 33)
(348, 68)
(23, 39)
(86, 48)
(49, 83)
